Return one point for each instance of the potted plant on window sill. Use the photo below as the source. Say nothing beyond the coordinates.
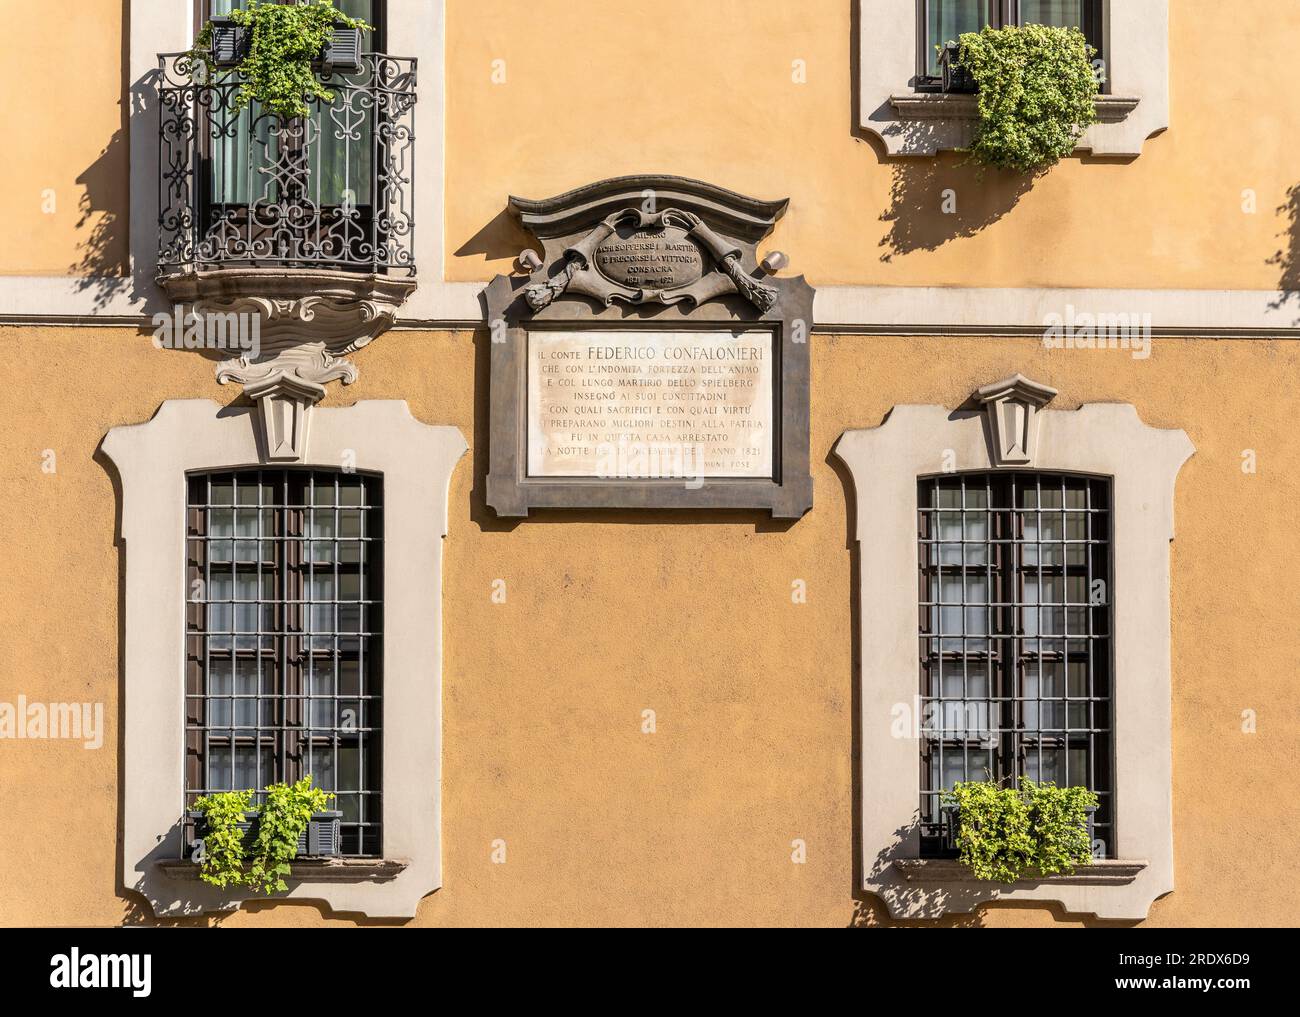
(239, 845)
(1005, 834)
(280, 51)
(956, 78)
(1036, 92)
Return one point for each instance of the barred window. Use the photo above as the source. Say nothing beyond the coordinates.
(1015, 636)
(284, 638)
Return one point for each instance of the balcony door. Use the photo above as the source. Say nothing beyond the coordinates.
(296, 191)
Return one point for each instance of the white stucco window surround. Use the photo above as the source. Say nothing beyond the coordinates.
(1013, 430)
(416, 461)
(923, 123)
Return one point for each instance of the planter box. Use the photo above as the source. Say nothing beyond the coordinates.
(319, 840)
(955, 77)
(229, 42)
(952, 826)
(341, 52)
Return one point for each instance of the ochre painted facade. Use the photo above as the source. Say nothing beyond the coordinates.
(589, 93)
(687, 614)
(63, 181)
(608, 615)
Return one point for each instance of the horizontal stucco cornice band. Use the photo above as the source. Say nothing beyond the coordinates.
(887, 310)
(151, 459)
(1170, 311)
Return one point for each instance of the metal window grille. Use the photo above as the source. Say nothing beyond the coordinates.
(284, 639)
(1015, 637)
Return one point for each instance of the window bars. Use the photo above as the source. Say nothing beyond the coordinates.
(1015, 637)
(284, 639)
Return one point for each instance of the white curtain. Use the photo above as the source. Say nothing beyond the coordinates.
(1058, 13)
(341, 161)
(946, 20)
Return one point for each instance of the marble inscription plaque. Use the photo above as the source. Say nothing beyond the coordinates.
(658, 404)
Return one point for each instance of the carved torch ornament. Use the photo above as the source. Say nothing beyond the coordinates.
(582, 275)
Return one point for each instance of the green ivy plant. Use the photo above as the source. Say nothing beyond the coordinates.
(1036, 91)
(284, 40)
(1006, 832)
(223, 840)
(228, 859)
(285, 814)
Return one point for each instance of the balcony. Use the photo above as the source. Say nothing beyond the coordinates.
(254, 205)
(298, 233)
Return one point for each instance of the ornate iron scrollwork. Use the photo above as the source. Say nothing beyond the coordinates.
(334, 190)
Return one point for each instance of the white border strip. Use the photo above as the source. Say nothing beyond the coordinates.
(883, 309)
(905, 307)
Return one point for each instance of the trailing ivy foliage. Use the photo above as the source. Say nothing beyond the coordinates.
(228, 858)
(285, 814)
(1006, 832)
(285, 39)
(223, 840)
(1036, 93)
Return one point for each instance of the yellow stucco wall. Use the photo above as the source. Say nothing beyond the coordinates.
(64, 200)
(595, 89)
(691, 616)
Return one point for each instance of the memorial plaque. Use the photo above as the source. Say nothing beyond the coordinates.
(657, 259)
(647, 404)
(649, 362)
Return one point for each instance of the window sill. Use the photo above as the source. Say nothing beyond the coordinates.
(325, 870)
(1107, 872)
(1111, 109)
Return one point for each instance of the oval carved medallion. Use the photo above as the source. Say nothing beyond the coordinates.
(650, 259)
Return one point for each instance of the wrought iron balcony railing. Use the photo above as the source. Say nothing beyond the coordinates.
(244, 188)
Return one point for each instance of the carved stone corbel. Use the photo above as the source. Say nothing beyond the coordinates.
(290, 331)
(1011, 407)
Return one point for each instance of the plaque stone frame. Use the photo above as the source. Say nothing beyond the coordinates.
(722, 289)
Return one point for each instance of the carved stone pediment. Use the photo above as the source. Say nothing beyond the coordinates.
(1012, 407)
(657, 240)
(296, 328)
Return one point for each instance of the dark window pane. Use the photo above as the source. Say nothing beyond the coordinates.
(1014, 636)
(267, 666)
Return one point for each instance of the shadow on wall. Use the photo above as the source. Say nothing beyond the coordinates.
(103, 264)
(1287, 258)
(938, 199)
(104, 261)
(502, 237)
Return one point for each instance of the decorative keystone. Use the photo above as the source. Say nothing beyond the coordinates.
(1012, 407)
